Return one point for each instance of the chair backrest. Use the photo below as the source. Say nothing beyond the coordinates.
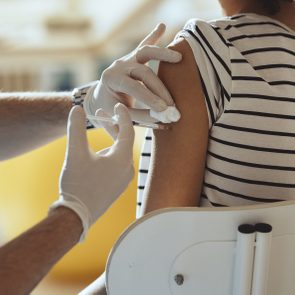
(194, 251)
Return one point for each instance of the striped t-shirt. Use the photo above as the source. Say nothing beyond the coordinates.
(247, 69)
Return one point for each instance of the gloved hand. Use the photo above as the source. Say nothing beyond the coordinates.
(90, 182)
(121, 82)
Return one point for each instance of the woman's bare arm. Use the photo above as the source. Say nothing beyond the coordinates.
(179, 155)
(30, 120)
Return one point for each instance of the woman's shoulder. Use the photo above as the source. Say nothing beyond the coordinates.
(220, 23)
(235, 23)
(212, 31)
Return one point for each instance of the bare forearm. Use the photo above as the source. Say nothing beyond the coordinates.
(30, 120)
(27, 259)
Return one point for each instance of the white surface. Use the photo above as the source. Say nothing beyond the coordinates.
(262, 263)
(244, 258)
(198, 243)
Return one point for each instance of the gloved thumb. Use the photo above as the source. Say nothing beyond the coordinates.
(77, 144)
(125, 138)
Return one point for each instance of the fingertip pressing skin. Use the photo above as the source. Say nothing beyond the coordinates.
(173, 114)
(175, 56)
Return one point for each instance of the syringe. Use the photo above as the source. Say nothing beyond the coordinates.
(114, 120)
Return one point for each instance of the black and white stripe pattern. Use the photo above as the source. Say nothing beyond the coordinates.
(247, 68)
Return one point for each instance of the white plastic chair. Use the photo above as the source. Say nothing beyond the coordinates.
(186, 251)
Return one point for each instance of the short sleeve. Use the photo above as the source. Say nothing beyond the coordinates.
(212, 55)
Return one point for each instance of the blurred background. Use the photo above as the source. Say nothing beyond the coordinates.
(53, 46)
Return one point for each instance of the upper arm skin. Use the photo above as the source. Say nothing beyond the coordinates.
(179, 155)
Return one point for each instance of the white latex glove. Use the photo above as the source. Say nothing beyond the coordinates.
(90, 182)
(128, 78)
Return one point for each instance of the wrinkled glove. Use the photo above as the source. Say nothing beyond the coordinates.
(128, 78)
(90, 182)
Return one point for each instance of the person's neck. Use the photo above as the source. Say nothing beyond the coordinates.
(285, 15)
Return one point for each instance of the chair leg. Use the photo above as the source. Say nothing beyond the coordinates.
(262, 259)
(244, 257)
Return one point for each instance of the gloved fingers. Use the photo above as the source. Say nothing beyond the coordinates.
(147, 53)
(142, 94)
(77, 144)
(123, 146)
(152, 82)
(154, 36)
(111, 129)
(170, 115)
(141, 115)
